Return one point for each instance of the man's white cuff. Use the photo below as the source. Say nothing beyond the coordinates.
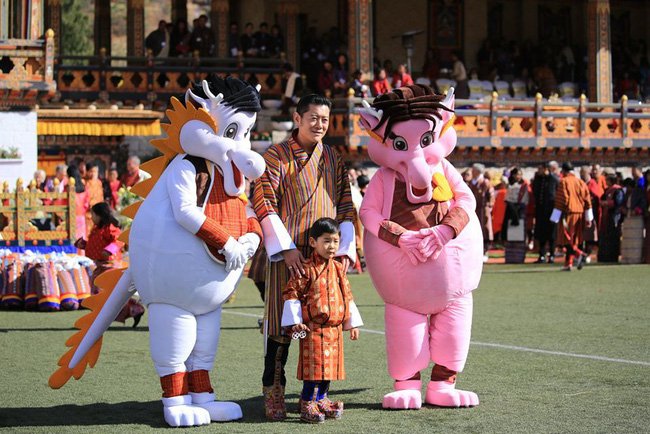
(355, 318)
(348, 245)
(276, 237)
(555, 217)
(589, 214)
(291, 313)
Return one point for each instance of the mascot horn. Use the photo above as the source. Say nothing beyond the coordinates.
(188, 244)
(423, 244)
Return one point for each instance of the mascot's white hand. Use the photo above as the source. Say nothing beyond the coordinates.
(435, 239)
(409, 242)
(251, 241)
(235, 254)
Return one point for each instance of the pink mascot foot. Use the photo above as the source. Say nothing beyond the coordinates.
(444, 394)
(407, 395)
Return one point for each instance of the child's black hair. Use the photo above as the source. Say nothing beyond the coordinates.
(106, 217)
(322, 226)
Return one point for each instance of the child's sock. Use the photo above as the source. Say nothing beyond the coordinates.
(323, 388)
(308, 388)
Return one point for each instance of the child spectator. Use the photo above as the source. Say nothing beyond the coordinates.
(82, 202)
(114, 185)
(104, 248)
(319, 305)
(402, 78)
(380, 84)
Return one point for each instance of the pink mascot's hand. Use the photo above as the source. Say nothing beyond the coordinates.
(409, 242)
(434, 240)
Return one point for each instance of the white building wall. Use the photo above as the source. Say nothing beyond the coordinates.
(18, 129)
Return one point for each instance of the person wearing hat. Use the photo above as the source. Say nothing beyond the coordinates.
(572, 210)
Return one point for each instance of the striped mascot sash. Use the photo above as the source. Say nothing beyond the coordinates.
(69, 300)
(13, 294)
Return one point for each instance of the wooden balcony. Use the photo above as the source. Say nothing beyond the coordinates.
(499, 130)
(153, 81)
(26, 71)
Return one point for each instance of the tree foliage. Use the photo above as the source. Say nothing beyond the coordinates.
(76, 29)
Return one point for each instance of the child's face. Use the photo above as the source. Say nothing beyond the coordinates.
(94, 217)
(112, 175)
(326, 245)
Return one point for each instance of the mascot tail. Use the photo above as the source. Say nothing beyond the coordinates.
(117, 285)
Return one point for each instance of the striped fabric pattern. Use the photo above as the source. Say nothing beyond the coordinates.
(299, 189)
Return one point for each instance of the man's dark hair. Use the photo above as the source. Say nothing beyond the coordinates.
(322, 226)
(205, 17)
(91, 165)
(363, 181)
(264, 24)
(567, 167)
(248, 24)
(287, 67)
(236, 93)
(311, 99)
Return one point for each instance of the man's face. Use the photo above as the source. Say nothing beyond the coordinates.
(595, 171)
(233, 29)
(382, 74)
(249, 29)
(131, 166)
(313, 124)
(475, 173)
(401, 69)
(93, 173)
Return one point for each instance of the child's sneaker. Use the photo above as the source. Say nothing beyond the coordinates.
(274, 407)
(310, 413)
(331, 409)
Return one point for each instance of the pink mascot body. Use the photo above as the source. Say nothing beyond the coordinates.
(423, 244)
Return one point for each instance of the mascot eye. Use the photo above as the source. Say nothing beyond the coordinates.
(231, 130)
(427, 139)
(399, 144)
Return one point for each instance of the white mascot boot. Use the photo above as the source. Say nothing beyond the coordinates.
(219, 411)
(179, 411)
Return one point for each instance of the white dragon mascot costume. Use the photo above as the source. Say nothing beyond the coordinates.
(189, 242)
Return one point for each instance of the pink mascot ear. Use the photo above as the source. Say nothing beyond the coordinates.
(369, 117)
(447, 116)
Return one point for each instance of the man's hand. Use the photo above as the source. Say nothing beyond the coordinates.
(297, 328)
(294, 260)
(354, 334)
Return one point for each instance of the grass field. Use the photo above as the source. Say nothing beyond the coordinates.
(552, 352)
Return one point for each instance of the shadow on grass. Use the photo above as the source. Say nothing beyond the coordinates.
(72, 329)
(148, 413)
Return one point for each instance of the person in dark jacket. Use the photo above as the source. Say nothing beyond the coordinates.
(544, 188)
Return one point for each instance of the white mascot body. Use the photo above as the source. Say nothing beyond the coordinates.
(189, 242)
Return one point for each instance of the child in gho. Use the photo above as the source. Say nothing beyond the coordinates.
(104, 249)
(318, 305)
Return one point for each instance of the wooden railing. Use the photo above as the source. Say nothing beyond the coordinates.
(149, 79)
(19, 211)
(537, 123)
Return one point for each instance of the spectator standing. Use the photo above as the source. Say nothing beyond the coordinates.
(158, 40)
(573, 205)
(610, 222)
(544, 188)
(459, 74)
(233, 40)
(431, 66)
(361, 90)
(202, 39)
(402, 78)
(114, 185)
(263, 40)
(380, 83)
(514, 221)
(95, 190)
(82, 204)
(179, 39)
(61, 175)
(292, 88)
(484, 194)
(341, 77)
(277, 41)
(326, 79)
(591, 235)
(247, 41)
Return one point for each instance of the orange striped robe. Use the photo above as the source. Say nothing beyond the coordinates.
(572, 198)
(299, 189)
(325, 297)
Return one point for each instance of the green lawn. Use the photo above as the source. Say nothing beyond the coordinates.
(600, 312)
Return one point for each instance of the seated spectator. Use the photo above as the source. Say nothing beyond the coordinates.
(247, 41)
(233, 40)
(326, 79)
(460, 75)
(292, 88)
(361, 90)
(277, 41)
(263, 40)
(158, 40)
(341, 78)
(39, 179)
(133, 173)
(402, 78)
(431, 67)
(60, 174)
(388, 66)
(545, 80)
(380, 84)
(202, 38)
(179, 40)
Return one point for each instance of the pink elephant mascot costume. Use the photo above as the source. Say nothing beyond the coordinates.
(423, 244)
